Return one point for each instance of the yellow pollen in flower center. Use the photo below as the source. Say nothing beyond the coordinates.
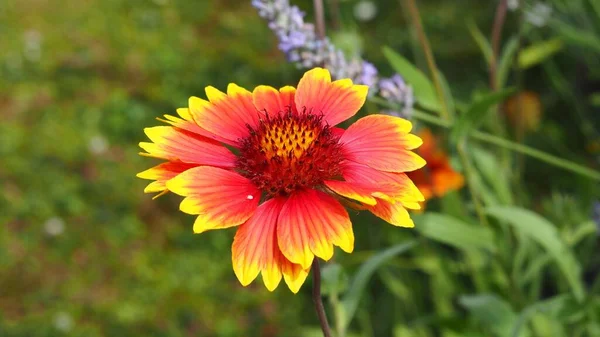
(287, 138)
(288, 152)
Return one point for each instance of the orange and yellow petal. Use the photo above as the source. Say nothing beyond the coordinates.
(429, 142)
(353, 191)
(255, 246)
(438, 178)
(186, 122)
(175, 144)
(446, 180)
(274, 102)
(394, 213)
(382, 142)
(293, 274)
(225, 115)
(220, 198)
(162, 173)
(337, 101)
(396, 186)
(311, 223)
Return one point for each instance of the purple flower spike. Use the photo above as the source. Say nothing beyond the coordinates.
(596, 216)
(300, 43)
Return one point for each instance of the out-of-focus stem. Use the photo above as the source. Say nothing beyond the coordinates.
(319, 18)
(445, 112)
(334, 8)
(496, 36)
(318, 300)
(416, 21)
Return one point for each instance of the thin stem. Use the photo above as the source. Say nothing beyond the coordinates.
(316, 291)
(445, 112)
(319, 19)
(318, 300)
(519, 79)
(535, 153)
(469, 173)
(496, 35)
(499, 124)
(334, 8)
(416, 18)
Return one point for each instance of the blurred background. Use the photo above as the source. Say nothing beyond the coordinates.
(84, 252)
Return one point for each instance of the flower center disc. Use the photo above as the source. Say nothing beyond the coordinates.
(289, 152)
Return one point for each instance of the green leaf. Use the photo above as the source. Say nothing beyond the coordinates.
(334, 279)
(481, 41)
(506, 60)
(542, 325)
(455, 232)
(492, 172)
(534, 269)
(538, 52)
(576, 36)
(550, 307)
(545, 234)
(448, 98)
(492, 312)
(423, 88)
(475, 114)
(582, 231)
(364, 273)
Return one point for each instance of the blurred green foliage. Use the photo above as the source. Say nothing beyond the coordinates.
(83, 252)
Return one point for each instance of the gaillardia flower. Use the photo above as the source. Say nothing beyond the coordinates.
(273, 163)
(438, 178)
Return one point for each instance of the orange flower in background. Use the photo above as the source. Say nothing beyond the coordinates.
(438, 178)
(524, 110)
(273, 163)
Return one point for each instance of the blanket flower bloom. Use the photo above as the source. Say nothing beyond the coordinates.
(274, 164)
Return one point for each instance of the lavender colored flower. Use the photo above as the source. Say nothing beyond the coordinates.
(395, 90)
(368, 74)
(596, 216)
(300, 43)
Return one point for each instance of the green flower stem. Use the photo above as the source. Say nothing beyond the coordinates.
(468, 167)
(445, 112)
(504, 143)
(535, 153)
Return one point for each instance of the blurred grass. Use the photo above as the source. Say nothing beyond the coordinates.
(83, 252)
(79, 82)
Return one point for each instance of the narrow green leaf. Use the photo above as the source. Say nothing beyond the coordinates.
(551, 306)
(482, 42)
(576, 36)
(492, 172)
(334, 279)
(449, 99)
(545, 234)
(534, 269)
(423, 88)
(506, 60)
(580, 232)
(538, 52)
(364, 273)
(475, 114)
(492, 312)
(455, 232)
